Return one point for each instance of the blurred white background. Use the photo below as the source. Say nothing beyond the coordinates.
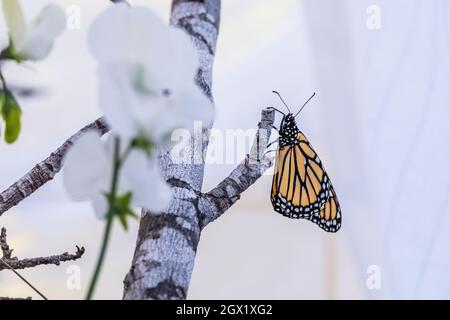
(379, 123)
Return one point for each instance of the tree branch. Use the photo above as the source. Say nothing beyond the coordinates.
(167, 242)
(15, 263)
(200, 19)
(4, 245)
(214, 203)
(45, 170)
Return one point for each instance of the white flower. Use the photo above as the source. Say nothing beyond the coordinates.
(147, 72)
(35, 40)
(88, 169)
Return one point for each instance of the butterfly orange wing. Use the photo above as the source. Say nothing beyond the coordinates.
(302, 189)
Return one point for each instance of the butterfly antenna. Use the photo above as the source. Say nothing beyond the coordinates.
(279, 96)
(305, 104)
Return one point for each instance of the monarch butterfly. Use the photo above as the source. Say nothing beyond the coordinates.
(301, 188)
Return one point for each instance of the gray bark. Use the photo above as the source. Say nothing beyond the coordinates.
(167, 241)
(45, 170)
(7, 261)
(218, 200)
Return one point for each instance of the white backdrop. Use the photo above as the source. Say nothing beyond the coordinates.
(387, 97)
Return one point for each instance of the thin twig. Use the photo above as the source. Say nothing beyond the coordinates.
(15, 263)
(22, 278)
(4, 245)
(55, 260)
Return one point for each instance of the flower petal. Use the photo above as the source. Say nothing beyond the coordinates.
(149, 189)
(100, 205)
(164, 60)
(42, 32)
(87, 168)
(121, 33)
(181, 113)
(136, 34)
(51, 21)
(15, 21)
(145, 88)
(117, 98)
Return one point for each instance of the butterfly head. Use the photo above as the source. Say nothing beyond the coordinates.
(288, 129)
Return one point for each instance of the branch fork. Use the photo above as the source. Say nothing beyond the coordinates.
(8, 261)
(167, 241)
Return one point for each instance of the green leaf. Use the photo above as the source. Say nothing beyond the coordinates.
(121, 208)
(141, 142)
(11, 115)
(10, 54)
(123, 222)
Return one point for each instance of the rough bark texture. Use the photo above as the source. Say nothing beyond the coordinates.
(15, 263)
(45, 170)
(215, 202)
(167, 242)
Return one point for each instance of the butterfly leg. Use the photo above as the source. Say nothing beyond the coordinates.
(269, 151)
(273, 127)
(271, 143)
(275, 109)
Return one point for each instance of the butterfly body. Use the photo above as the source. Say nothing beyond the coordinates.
(301, 188)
